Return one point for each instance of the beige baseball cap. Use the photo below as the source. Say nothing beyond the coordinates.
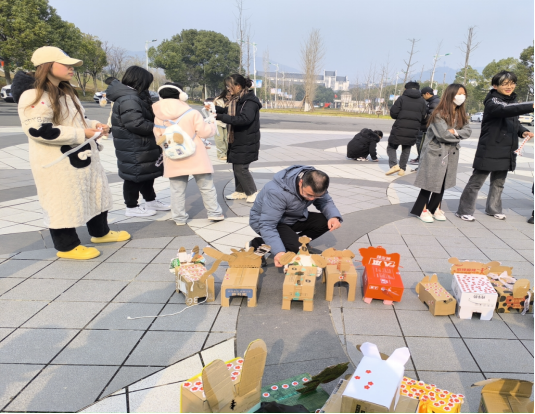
(48, 54)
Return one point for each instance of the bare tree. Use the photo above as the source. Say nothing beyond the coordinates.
(312, 55)
(421, 74)
(409, 64)
(266, 73)
(242, 26)
(117, 58)
(467, 48)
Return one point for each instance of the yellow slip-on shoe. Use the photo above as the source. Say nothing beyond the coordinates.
(393, 170)
(112, 236)
(401, 172)
(80, 253)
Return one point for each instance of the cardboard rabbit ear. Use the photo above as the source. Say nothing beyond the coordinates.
(454, 260)
(178, 138)
(400, 356)
(434, 278)
(384, 357)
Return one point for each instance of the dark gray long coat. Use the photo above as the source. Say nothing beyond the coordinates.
(440, 156)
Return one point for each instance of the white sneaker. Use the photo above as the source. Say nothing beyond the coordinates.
(157, 205)
(236, 196)
(139, 212)
(498, 216)
(217, 218)
(251, 198)
(439, 215)
(426, 217)
(466, 217)
(361, 159)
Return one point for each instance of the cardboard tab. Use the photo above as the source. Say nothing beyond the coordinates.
(502, 395)
(381, 279)
(438, 299)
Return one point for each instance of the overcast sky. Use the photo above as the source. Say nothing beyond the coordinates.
(356, 33)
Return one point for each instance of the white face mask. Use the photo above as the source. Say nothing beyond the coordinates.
(459, 99)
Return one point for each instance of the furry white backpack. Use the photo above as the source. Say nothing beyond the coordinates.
(176, 143)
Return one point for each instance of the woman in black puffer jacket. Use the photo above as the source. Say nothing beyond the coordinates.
(364, 144)
(132, 122)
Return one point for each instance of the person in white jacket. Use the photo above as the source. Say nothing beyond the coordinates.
(64, 157)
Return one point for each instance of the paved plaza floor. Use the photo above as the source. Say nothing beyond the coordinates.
(66, 342)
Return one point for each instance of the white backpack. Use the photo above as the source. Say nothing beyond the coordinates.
(176, 142)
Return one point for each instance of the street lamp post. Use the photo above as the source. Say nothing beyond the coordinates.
(276, 81)
(436, 58)
(396, 88)
(254, 62)
(147, 52)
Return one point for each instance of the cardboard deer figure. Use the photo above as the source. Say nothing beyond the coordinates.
(340, 268)
(241, 279)
(224, 387)
(301, 269)
(381, 278)
(191, 276)
(513, 295)
(439, 301)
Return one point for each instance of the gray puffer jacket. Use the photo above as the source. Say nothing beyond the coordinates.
(280, 202)
(440, 156)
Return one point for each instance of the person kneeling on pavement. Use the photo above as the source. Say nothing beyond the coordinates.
(364, 144)
(281, 211)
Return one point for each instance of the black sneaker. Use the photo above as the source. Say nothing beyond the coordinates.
(414, 161)
(530, 220)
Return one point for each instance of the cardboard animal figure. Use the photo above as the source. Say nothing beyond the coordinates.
(191, 276)
(241, 278)
(327, 375)
(431, 398)
(224, 387)
(502, 395)
(340, 268)
(439, 301)
(301, 269)
(381, 279)
(513, 295)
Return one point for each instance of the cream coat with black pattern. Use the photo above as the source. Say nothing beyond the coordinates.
(75, 189)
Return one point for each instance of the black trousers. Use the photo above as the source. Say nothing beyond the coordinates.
(243, 179)
(66, 239)
(313, 227)
(429, 199)
(131, 191)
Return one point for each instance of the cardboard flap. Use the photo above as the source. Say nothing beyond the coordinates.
(505, 386)
(434, 279)
(287, 258)
(332, 252)
(520, 288)
(217, 385)
(319, 260)
(400, 356)
(370, 350)
(470, 268)
(254, 362)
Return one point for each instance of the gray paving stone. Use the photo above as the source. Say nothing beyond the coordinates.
(371, 322)
(337, 320)
(65, 270)
(519, 244)
(510, 234)
(501, 355)
(199, 318)
(476, 328)
(127, 376)
(226, 320)
(115, 316)
(385, 344)
(115, 271)
(14, 377)
(113, 404)
(411, 279)
(34, 346)
(422, 231)
(66, 315)
(150, 243)
(188, 242)
(165, 348)
(63, 388)
(38, 289)
(128, 255)
(217, 338)
(423, 323)
(457, 383)
(99, 347)
(106, 251)
(379, 239)
(443, 231)
(502, 254)
(4, 332)
(92, 291)
(41, 254)
(488, 242)
(430, 266)
(523, 269)
(156, 273)
(418, 240)
(146, 292)
(6, 284)
(521, 325)
(459, 241)
(21, 268)
(433, 252)
(14, 313)
(165, 257)
(453, 354)
(409, 264)
(410, 300)
(526, 254)
(529, 345)
(467, 253)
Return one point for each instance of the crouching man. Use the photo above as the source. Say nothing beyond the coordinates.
(280, 211)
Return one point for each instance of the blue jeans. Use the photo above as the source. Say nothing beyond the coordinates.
(178, 196)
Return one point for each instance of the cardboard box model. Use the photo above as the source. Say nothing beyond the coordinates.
(340, 268)
(381, 279)
(301, 270)
(375, 385)
(191, 276)
(223, 387)
(439, 301)
(241, 278)
(505, 396)
(431, 398)
(513, 295)
(472, 289)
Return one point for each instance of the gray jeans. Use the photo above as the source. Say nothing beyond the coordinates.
(178, 196)
(467, 203)
(243, 179)
(391, 150)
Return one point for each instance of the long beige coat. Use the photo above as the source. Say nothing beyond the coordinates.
(75, 189)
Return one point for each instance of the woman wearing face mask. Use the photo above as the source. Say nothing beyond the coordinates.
(447, 125)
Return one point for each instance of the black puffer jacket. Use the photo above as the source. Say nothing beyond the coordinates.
(132, 123)
(500, 130)
(246, 124)
(409, 111)
(363, 144)
(432, 103)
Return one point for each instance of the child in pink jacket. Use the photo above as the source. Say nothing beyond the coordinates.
(171, 106)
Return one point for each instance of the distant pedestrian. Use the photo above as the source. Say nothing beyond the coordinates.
(71, 184)
(104, 100)
(409, 111)
(221, 139)
(432, 102)
(448, 125)
(495, 154)
(364, 144)
(135, 146)
(172, 108)
(243, 118)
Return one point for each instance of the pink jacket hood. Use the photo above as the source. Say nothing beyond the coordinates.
(166, 109)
